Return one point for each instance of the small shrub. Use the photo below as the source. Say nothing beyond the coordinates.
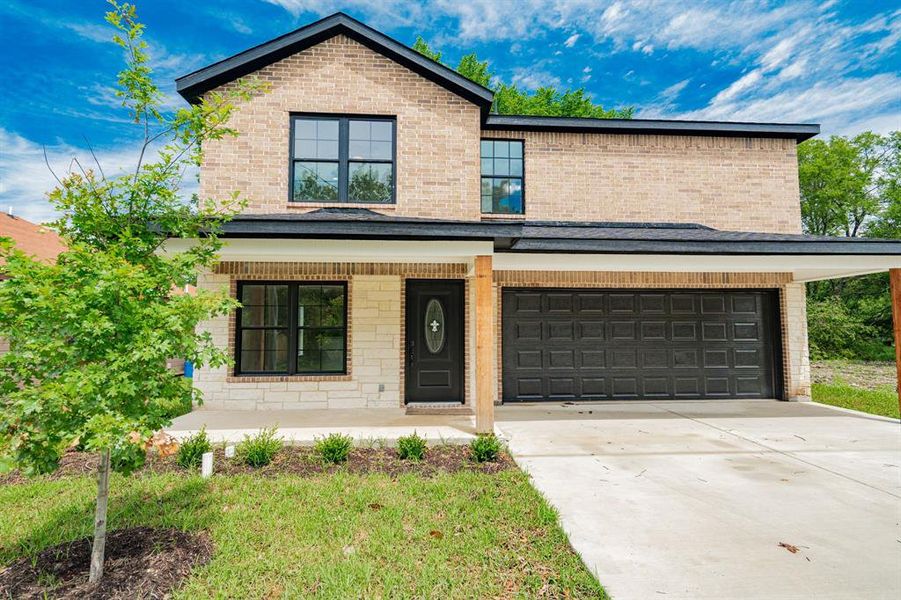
(334, 447)
(485, 448)
(190, 452)
(259, 450)
(411, 447)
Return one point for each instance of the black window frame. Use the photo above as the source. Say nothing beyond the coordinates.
(293, 293)
(522, 178)
(343, 156)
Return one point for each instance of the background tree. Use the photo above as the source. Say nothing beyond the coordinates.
(510, 100)
(850, 187)
(90, 335)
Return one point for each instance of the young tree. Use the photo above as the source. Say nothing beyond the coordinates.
(89, 335)
(510, 100)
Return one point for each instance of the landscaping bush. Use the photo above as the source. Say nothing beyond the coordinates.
(259, 450)
(411, 447)
(190, 452)
(836, 332)
(334, 448)
(485, 448)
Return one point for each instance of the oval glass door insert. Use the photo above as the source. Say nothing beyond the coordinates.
(434, 326)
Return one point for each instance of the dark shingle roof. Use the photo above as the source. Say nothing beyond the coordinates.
(549, 236)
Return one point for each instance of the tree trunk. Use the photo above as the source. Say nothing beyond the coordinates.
(98, 550)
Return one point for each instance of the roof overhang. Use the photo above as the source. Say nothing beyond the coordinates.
(797, 131)
(194, 85)
(355, 234)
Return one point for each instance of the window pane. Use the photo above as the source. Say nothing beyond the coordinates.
(501, 166)
(315, 181)
(308, 361)
(382, 131)
(309, 316)
(502, 149)
(487, 204)
(515, 149)
(264, 350)
(332, 361)
(370, 140)
(264, 306)
(487, 166)
(516, 167)
(330, 339)
(360, 130)
(316, 138)
(370, 182)
(506, 196)
(487, 149)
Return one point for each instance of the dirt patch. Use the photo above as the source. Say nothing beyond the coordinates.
(859, 374)
(141, 562)
(301, 461)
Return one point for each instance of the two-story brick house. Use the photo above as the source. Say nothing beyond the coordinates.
(403, 246)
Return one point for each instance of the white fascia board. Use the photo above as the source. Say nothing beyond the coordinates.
(308, 250)
(802, 267)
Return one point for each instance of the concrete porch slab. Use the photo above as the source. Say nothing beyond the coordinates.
(305, 426)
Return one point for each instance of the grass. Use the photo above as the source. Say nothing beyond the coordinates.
(880, 401)
(459, 535)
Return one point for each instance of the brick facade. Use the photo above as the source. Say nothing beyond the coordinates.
(437, 132)
(376, 331)
(738, 184)
(742, 184)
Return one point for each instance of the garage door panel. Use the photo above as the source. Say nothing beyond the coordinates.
(611, 344)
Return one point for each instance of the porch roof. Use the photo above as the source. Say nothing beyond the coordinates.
(549, 237)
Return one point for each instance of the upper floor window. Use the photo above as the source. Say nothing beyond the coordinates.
(502, 177)
(342, 159)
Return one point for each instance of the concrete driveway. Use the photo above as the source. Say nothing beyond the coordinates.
(692, 499)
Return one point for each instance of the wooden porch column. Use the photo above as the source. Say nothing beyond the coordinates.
(894, 276)
(486, 384)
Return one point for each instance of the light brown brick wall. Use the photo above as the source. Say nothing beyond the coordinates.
(743, 184)
(796, 351)
(740, 184)
(437, 132)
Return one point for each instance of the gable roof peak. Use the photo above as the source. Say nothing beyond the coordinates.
(194, 85)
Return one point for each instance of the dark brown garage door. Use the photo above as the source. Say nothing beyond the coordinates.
(623, 344)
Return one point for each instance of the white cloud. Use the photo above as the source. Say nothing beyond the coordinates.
(26, 179)
(531, 78)
(673, 91)
(571, 40)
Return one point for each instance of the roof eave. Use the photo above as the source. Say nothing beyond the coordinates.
(192, 86)
(797, 131)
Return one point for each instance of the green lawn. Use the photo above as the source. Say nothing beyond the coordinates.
(461, 535)
(880, 401)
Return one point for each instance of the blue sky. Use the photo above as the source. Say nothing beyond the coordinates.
(833, 63)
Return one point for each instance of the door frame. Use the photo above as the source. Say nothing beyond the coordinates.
(464, 334)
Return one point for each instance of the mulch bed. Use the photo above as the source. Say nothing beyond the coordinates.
(141, 562)
(298, 460)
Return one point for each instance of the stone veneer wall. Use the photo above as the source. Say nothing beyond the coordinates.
(792, 298)
(375, 338)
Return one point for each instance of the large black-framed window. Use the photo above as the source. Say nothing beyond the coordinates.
(343, 159)
(291, 328)
(502, 176)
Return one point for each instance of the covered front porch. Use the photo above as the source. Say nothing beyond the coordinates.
(376, 259)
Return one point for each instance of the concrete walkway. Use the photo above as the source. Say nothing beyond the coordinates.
(692, 499)
(304, 426)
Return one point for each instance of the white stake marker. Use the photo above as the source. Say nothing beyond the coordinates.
(206, 466)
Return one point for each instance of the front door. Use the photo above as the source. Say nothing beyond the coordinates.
(434, 350)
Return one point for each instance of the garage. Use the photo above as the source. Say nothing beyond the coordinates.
(565, 344)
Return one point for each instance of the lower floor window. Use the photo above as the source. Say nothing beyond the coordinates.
(287, 328)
